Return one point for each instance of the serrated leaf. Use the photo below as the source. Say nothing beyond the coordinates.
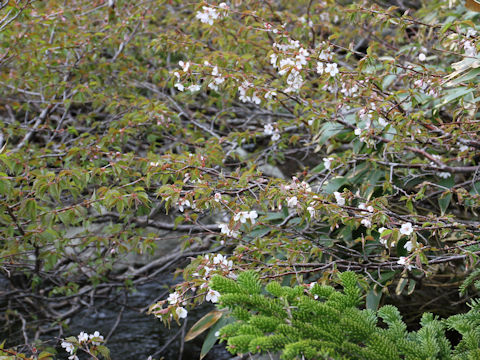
(104, 351)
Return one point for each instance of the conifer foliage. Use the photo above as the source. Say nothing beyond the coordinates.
(324, 323)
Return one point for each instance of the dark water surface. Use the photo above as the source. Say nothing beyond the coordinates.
(139, 335)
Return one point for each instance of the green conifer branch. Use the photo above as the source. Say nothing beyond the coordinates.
(325, 323)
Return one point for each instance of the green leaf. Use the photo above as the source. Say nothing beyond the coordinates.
(259, 232)
(444, 202)
(203, 324)
(327, 131)
(446, 197)
(454, 94)
(465, 77)
(373, 299)
(334, 184)
(211, 338)
(104, 351)
(401, 285)
(45, 355)
(274, 216)
(411, 287)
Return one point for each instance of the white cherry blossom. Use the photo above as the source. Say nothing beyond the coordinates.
(470, 49)
(406, 229)
(96, 335)
(273, 59)
(212, 296)
(471, 33)
(332, 69)
(292, 202)
(208, 15)
(268, 129)
(243, 216)
(408, 246)
(327, 162)
(276, 135)
(382, 122)
(82, 337)
(213, 86)
(404, 261)
(183, 204)
(311, 211)
(181, 312)
(270, 94)
(173, 298)
(68, 347)
(194, 88)
(339, 198)
(184, 65)
(366, 222)
(225, 229)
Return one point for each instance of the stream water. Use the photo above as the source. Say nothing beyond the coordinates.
(139, 335)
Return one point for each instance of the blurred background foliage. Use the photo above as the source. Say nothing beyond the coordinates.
(105, 163)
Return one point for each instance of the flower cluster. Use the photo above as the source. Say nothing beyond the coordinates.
(217, 79)
(470, 49)
(82, 339)
(405, 229)
(209, 14)
(243, 88)
(404, 261)
(185, 204)
(325, 66)
(269, 130)
(178, 85)
(349, 91)
(330, 68)
(442, 174)
(292, 202)
(295, 184)
(292, 64)
(175, 299)
(218, 263)
(426, 86)
(225, 229)
(243, 216)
